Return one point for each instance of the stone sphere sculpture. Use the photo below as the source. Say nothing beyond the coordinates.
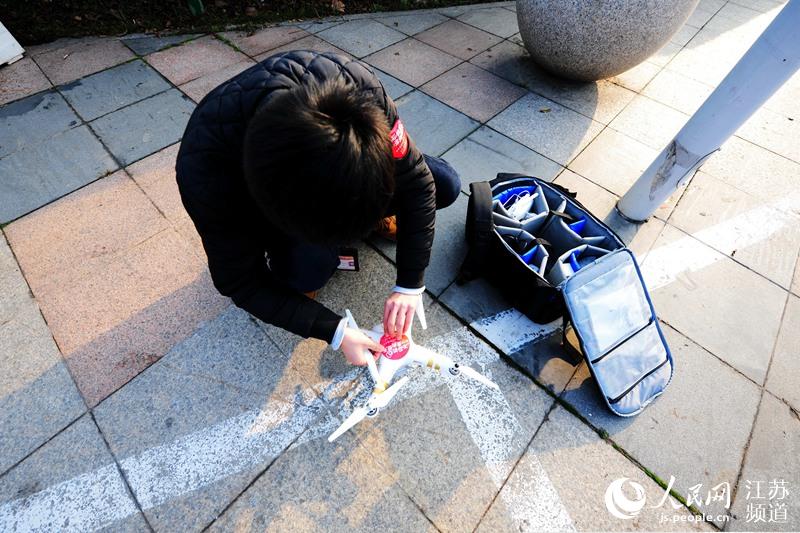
(593, 39)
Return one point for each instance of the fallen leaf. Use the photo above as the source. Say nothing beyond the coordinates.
(337, 5)
(544, 110)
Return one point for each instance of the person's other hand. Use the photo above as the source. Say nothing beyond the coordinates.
(398, 312)
(355, 345)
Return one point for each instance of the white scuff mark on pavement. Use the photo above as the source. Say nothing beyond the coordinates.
(159, 474)
(663, 265)
(86, 502)
(511, 331)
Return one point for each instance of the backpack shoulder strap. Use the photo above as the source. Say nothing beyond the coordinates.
(479, 227)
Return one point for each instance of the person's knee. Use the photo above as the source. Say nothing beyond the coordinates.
(446, 179)
(310, 267)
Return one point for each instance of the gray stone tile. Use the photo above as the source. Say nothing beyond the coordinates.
(772, 457)
(601, 203)
(486, 152)
(198, 88)
(693, 431)
(601, 100)
(70, 482)
(755, 170)
(535, 347)
(145, 127)
(683, 35)
(37, 395)
(33, 119)
(458, 39)
(319, 486)
(784, 372)
(111, 89)
(456, 88)
(762, 6)
(394, 87)
(257, 42)
(361, 37)
(196, 428)
(39, 174)
(696, 290)
(786, 100)
(699, 17)
(147, 44)
(773, 131)
(517, 39)
(449, 248)
(20, 79)
(754, 232)
(665, 54)
(638, 77)
(312, 42)
(65, 60)
(316, 26)
(649, 122)
(412, 61)
(546, 127)
(542, 493)
(194, 59)
(413, 23)
(433, 126)
(453, 445)
(495, 20)
(677, 91)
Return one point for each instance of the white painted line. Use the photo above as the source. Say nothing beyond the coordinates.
(157, 475)
(511, 331)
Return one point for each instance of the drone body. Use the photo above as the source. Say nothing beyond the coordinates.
(398, 354)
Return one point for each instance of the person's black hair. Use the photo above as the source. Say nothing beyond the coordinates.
(318, 162)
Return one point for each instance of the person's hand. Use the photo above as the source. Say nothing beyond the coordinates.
(398, 313)
(355, 345)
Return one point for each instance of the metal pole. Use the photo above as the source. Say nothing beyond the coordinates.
(772, 60)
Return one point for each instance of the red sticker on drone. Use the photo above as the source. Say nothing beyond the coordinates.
(395, 348)
(399, 140)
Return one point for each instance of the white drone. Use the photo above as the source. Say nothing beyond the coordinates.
(398, 354)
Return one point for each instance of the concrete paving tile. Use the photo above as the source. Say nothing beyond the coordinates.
(195, 429)
(155, 174)
(517, 39)
(785, 369)
(649, 122)
(452, 446)
(69, 59)
(485, 152)
(677, 91)
(413, 23)
(601, 203)
(449, 247)
(29, 121)
(495, 20)
(361, 37)
(638, 77)
(786, 100)
(601, 100)
(772, 464)
(112, 89)
(194, 59)
(541, 494)
(21, 79)
(665, 54)
(39, 174)
(260, 41)
(755, 170)
(546, 127)
(693, 431)
(143, 44)
(114, 266)
(699, 17)
(145, 127)
(728, 309)
(760, 236)
(319, 486)
(683, 35)
(198, 88)
(394, 87)
(773, 131)
(69, 483)
(312, 42)
(456, 88)
(762, 6)
(433, 126)
(412, 61)
(796, 283)
(535, 347)
(317, 25)
(458, 39)
(37, 395)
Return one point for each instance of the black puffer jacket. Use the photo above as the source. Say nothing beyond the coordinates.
(235, 233)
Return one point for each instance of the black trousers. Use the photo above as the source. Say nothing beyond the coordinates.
(307, 267)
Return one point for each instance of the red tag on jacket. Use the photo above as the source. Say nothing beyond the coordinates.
(399, 140)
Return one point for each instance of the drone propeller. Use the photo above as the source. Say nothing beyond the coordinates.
(375, 403)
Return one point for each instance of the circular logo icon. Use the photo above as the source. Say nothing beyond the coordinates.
(619, 504)
(395, 348)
